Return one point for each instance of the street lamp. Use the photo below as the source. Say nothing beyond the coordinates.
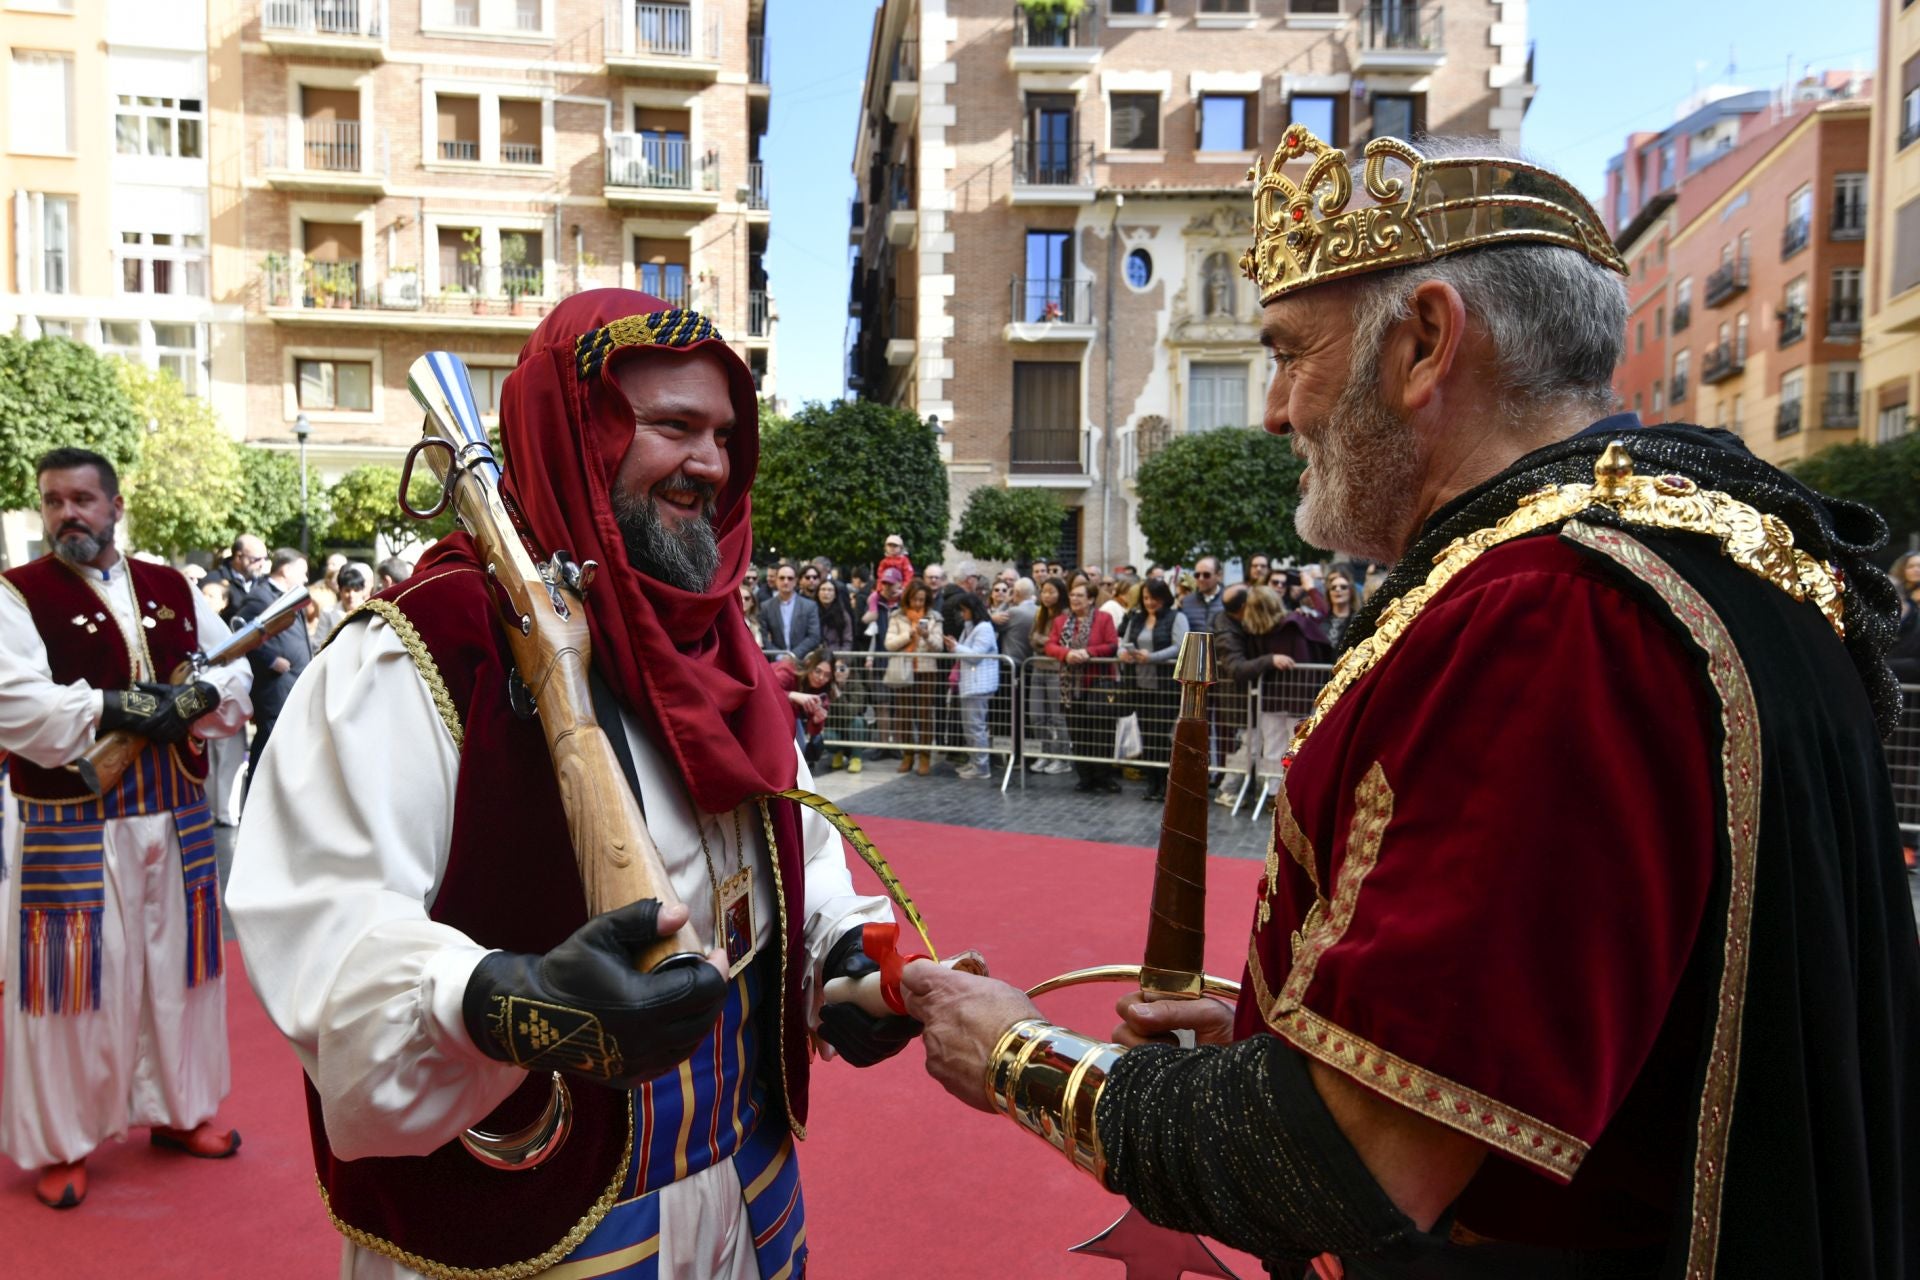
(933, 421)
(301, 430)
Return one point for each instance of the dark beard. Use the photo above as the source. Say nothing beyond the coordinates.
(76, 547)
(687, 558)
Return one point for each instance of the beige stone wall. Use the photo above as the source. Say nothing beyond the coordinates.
(578, 67)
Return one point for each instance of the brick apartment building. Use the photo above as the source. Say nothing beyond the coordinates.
(1049, 213)
(1746, 283)
(391, 176)
(1890, 346)
(1706, 127)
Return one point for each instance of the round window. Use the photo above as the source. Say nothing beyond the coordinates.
(1139, 268)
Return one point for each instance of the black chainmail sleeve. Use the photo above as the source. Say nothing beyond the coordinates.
(1234, 1142)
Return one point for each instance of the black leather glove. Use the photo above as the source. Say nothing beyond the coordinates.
(855, 1034)
(583, 1008)
(159, 712)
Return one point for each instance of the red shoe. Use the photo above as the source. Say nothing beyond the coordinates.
(204, 1141)
(62, 1186)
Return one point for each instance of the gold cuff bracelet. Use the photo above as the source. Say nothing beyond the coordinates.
(1048, 1079)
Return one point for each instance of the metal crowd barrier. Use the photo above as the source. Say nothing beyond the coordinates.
(1903, 763)
(912, 703)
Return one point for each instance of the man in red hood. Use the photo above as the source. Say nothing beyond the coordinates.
(406, 894)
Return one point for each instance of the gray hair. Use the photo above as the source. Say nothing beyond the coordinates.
(1023, 588)
(1556, 318)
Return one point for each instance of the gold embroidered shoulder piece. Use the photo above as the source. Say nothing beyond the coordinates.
(1757, 541)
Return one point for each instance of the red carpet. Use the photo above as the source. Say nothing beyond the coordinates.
(900, 1179)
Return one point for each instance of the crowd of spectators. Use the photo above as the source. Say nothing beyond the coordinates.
(920, 665)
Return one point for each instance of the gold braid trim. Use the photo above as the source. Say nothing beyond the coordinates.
(869, 854)
(780, 900)
(1757, 541)
(1740, 766)
(507, 1271)
(422, 660)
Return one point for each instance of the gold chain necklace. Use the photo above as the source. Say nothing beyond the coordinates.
(713, 877)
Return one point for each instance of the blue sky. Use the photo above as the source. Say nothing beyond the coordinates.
(1604, 70)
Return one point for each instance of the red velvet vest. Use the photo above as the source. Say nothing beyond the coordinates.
(85, 643)
(511, 883)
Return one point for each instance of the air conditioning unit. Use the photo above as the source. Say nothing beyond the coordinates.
(401, 292)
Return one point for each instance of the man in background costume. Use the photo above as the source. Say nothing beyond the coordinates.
(1583, 947)
(116, 1003)
(404, 874)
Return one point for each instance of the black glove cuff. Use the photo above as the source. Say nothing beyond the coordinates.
(847, 958)
(1235, 1143)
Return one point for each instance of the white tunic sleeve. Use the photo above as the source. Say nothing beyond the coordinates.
(42, 721)
(831, 905)
(345, 837)
(234, 680)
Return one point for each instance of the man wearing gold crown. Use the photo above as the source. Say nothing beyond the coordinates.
(1583, 947)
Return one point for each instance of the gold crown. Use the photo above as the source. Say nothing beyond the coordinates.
(1305, 235)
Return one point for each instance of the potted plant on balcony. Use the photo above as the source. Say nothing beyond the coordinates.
(470, 259)
(513, 261)
(1048, 21)
(279, 284)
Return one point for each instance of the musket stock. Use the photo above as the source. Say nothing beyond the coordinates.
(546, 629)
(111, 755)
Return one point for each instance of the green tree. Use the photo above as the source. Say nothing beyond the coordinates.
(55, 393)
(270, 498)
(1227, 493)
(365, 503)
(1885, 477)
(183, 494)
(835, 479)
(1010, 524)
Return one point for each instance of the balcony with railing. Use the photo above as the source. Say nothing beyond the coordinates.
(759, 67)
(1401, 37)
(519, 153)
(509, 298)
(1840, 411)
(1725, 281)
(903, 219)
(460, 149)
(1849, 220)
(757, 187)
(1682, 316)
(1720, 363)
(325, 155)
(355, 29)
(1909, 132)
(1053, 40)
(1049, 309)
(652, 169)
(1793, 325)
(1786, 420)
(856, 220)
(900, 331)
(1045, 451)
(759, 314)
(1843, 319)
(1053, 171)
(1797, 234)
(1678, 391)
(903, 81)
(653, 39)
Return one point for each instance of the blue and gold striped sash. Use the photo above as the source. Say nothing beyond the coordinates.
(63, 882)
(689, 1120)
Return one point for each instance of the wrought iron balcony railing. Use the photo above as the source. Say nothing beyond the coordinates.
(1725, 281)
(1849, 220)
(759, 318)
(1841, 410)
(1843, 318)
(1053, 164)
(1052, 28)
(757, 184)
(1796, 236)
(1786, 422)
(1416, 28)
(1793, 325)
(1048, 300)
(656, 163)
(323, 17)
(1678, 391)
(1720, 363)
(758, 68)
(1682, 316)
(906, 60)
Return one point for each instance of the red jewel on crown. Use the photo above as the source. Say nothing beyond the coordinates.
(1299, 214)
